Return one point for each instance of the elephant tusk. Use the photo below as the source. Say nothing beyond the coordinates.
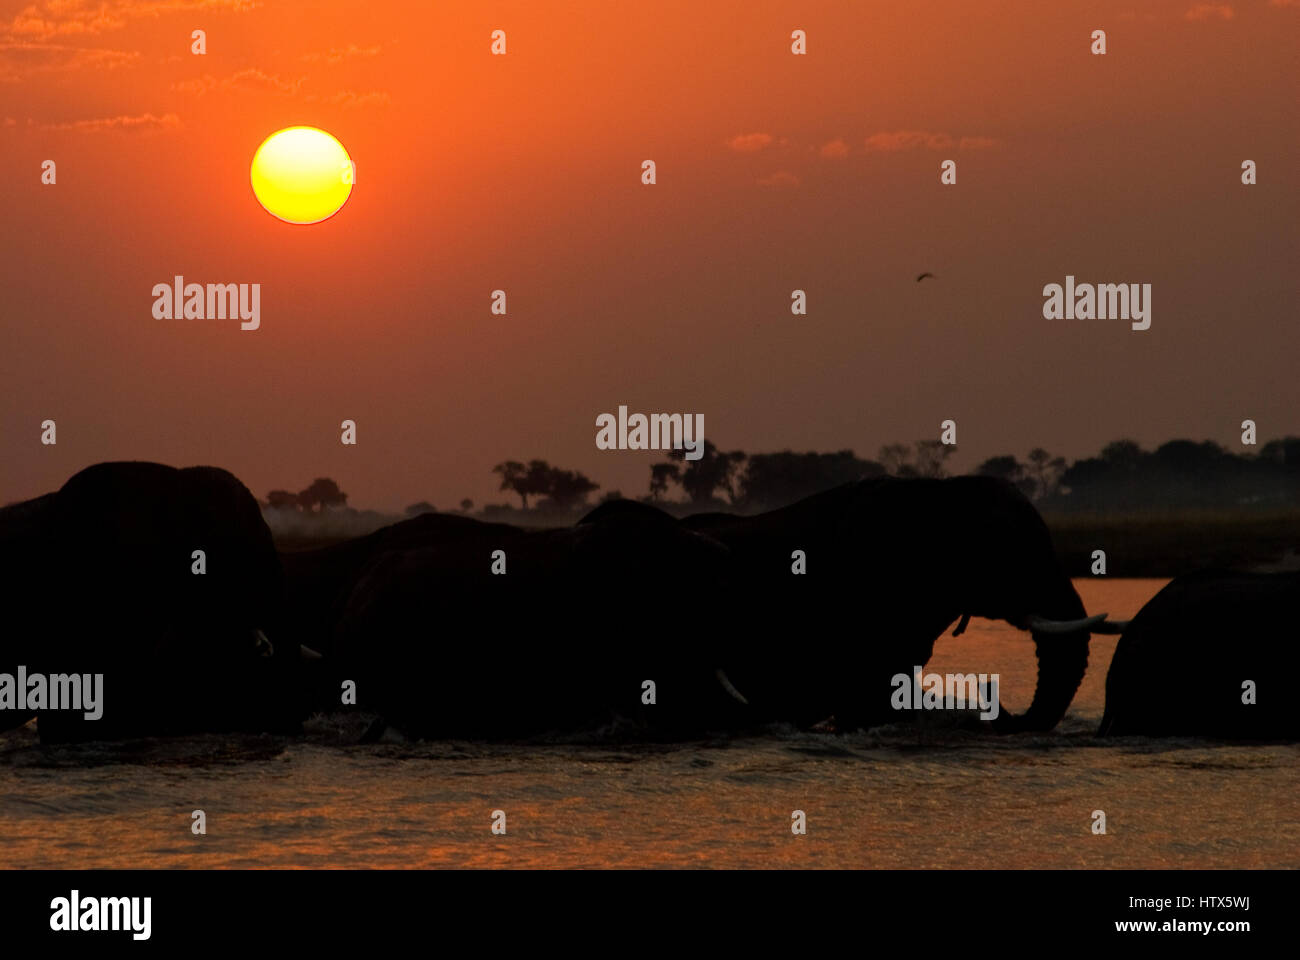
(263, 645)
(961, 627)
(1112, 626)
(727, 685)
(1042, 625)
(307, 653)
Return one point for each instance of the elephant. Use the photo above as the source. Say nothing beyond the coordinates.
(890, 563)
(104, 577)
(1213, 654)
(905, 557)
(318, 581)
(563, 631)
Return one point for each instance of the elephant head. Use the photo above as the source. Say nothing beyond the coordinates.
(902, 559)
(1002, 567)
(163, 580)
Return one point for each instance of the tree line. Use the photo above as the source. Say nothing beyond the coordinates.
(1123, 476)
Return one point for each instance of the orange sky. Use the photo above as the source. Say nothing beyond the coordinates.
(522, 172)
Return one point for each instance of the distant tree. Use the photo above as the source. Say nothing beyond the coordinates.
(1005, 467)
(714, 470)
(894, 458)
(1285, 452)
(424, 506)
(1180, 473)
(1275, 471)
(1122, 453)
(662, 474)
(568, 488)
(611, 495)
(323, 494)
(1188, 456)
(1010, 469)
(282, 500)
(539, 478)
(1045, 471)
(1089, 481)
(565, 488)
(930, 457)
(514, 476)
(466, 505)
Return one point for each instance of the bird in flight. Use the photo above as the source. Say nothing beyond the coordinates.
(923, 276)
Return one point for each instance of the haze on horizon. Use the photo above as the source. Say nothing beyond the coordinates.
(775, 172)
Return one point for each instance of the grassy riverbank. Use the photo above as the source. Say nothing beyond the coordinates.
(1138, 544)
(1166, 544)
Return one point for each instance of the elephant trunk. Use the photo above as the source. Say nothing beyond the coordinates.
(1062, 650)
(1062, 661)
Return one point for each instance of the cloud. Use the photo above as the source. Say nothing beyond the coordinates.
(55, 18)
(350, 52)
(782, 178)
(250, 79)
(143, 123)
(1204, 11)
(835, 150)
(350, 98)
(23, 58)
(749, 142)
(896, 140)
(1283, 3)
(255, 80)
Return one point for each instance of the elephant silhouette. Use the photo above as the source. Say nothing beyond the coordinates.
(1212, 654)
(102, 577)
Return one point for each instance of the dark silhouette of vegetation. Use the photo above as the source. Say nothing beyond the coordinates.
(661, 475)
(701, 478)
(514, 476)
(1181, 474)
(1121, 479)
(1161, 512)
(925, 458)
(1044, 473)
(323, 494)
(1038, 479)
(563, 488)
(766, 480)
(282, 500)
(568, 488)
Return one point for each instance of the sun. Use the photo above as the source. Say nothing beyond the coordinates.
(302, 175)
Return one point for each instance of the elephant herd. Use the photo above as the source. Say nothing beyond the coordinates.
(166, 584)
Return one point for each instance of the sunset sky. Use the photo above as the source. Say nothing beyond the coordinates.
(522, 172)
